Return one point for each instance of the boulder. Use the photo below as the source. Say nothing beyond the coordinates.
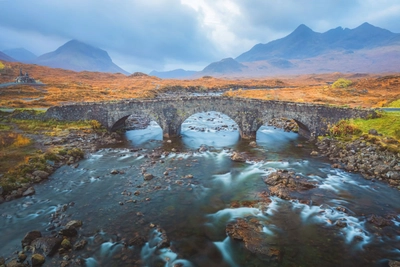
(70, 232)
(250, 231)
(147, 176)
(373, 132)
(379, 221)
(66, 244)
(80, 244)
(41, 174)
(253, 144)
(73, 224)
(29, 237)
(236, 156)
(15, 263)
(282, 183)
(47, 245)
(28, 192)
(37, 260)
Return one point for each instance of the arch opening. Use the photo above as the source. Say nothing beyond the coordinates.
(139, 129)
(279, 133)
(210, 128)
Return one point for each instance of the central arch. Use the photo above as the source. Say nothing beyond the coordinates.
(210, 128)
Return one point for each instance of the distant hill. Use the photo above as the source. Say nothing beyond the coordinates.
(226, 65)
(21, 55)
(6, 57)
(305, 43)
(173, 74)
(78, 56)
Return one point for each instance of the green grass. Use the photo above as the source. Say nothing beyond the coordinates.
(387, 124)
(394, 104)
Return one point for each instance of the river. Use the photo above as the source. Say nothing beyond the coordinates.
(195, 194)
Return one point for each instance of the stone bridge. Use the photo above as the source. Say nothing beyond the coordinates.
(249, 114)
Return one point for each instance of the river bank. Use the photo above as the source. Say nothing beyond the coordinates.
(364, 155)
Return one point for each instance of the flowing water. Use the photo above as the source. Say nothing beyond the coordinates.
(191, 198)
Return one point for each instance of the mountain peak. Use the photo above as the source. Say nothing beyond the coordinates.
(302, 28)
(79, 56)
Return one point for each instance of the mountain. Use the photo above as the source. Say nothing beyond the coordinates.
(177, 74)
(21, 54)
(6, 57)
(305, 43)
(226, 65)
(78, 56)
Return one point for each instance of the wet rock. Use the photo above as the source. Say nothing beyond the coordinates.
(147, 176)
(137, 241)
(282, 183)
(29, 237)
(47, 245)
(236, 156)
(15, 263)
(163, 242)
(41, 174)
(394, 175)
(393, 263)
(73, 224)
(341, 223)
(70, 232)
(37, 260)
(80, 244)
(28, 192)
(22, 256)
(250, 231)
(379, 221)
(66, 244)
(114, 171)
(2, 261)
(203, 148)
(253, 144)
(1, 190)
(314, 153)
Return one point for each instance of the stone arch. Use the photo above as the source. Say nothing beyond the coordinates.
(119, 122)
(212, 109)
(303, 129)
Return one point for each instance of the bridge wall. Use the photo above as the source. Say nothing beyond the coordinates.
(249, 114)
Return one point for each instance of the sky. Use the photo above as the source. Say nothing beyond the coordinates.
(162, 35)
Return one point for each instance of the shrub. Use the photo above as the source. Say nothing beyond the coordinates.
(344, 128)
(342, 83)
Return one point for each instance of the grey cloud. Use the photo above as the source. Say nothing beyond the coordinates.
(148, 32)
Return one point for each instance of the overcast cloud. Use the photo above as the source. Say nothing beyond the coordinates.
(142, 35)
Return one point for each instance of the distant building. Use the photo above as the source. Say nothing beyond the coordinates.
(24, 78)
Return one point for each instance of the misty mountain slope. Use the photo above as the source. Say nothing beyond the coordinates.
(178, 73)
(304, 43)
(226, 65)
(78, 56)
(21, 54)
(5, 57)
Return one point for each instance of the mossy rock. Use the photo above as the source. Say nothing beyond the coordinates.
(37, 260)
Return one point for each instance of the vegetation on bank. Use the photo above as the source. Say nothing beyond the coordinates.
(394, 104)
(21, 155)
(383, 130)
